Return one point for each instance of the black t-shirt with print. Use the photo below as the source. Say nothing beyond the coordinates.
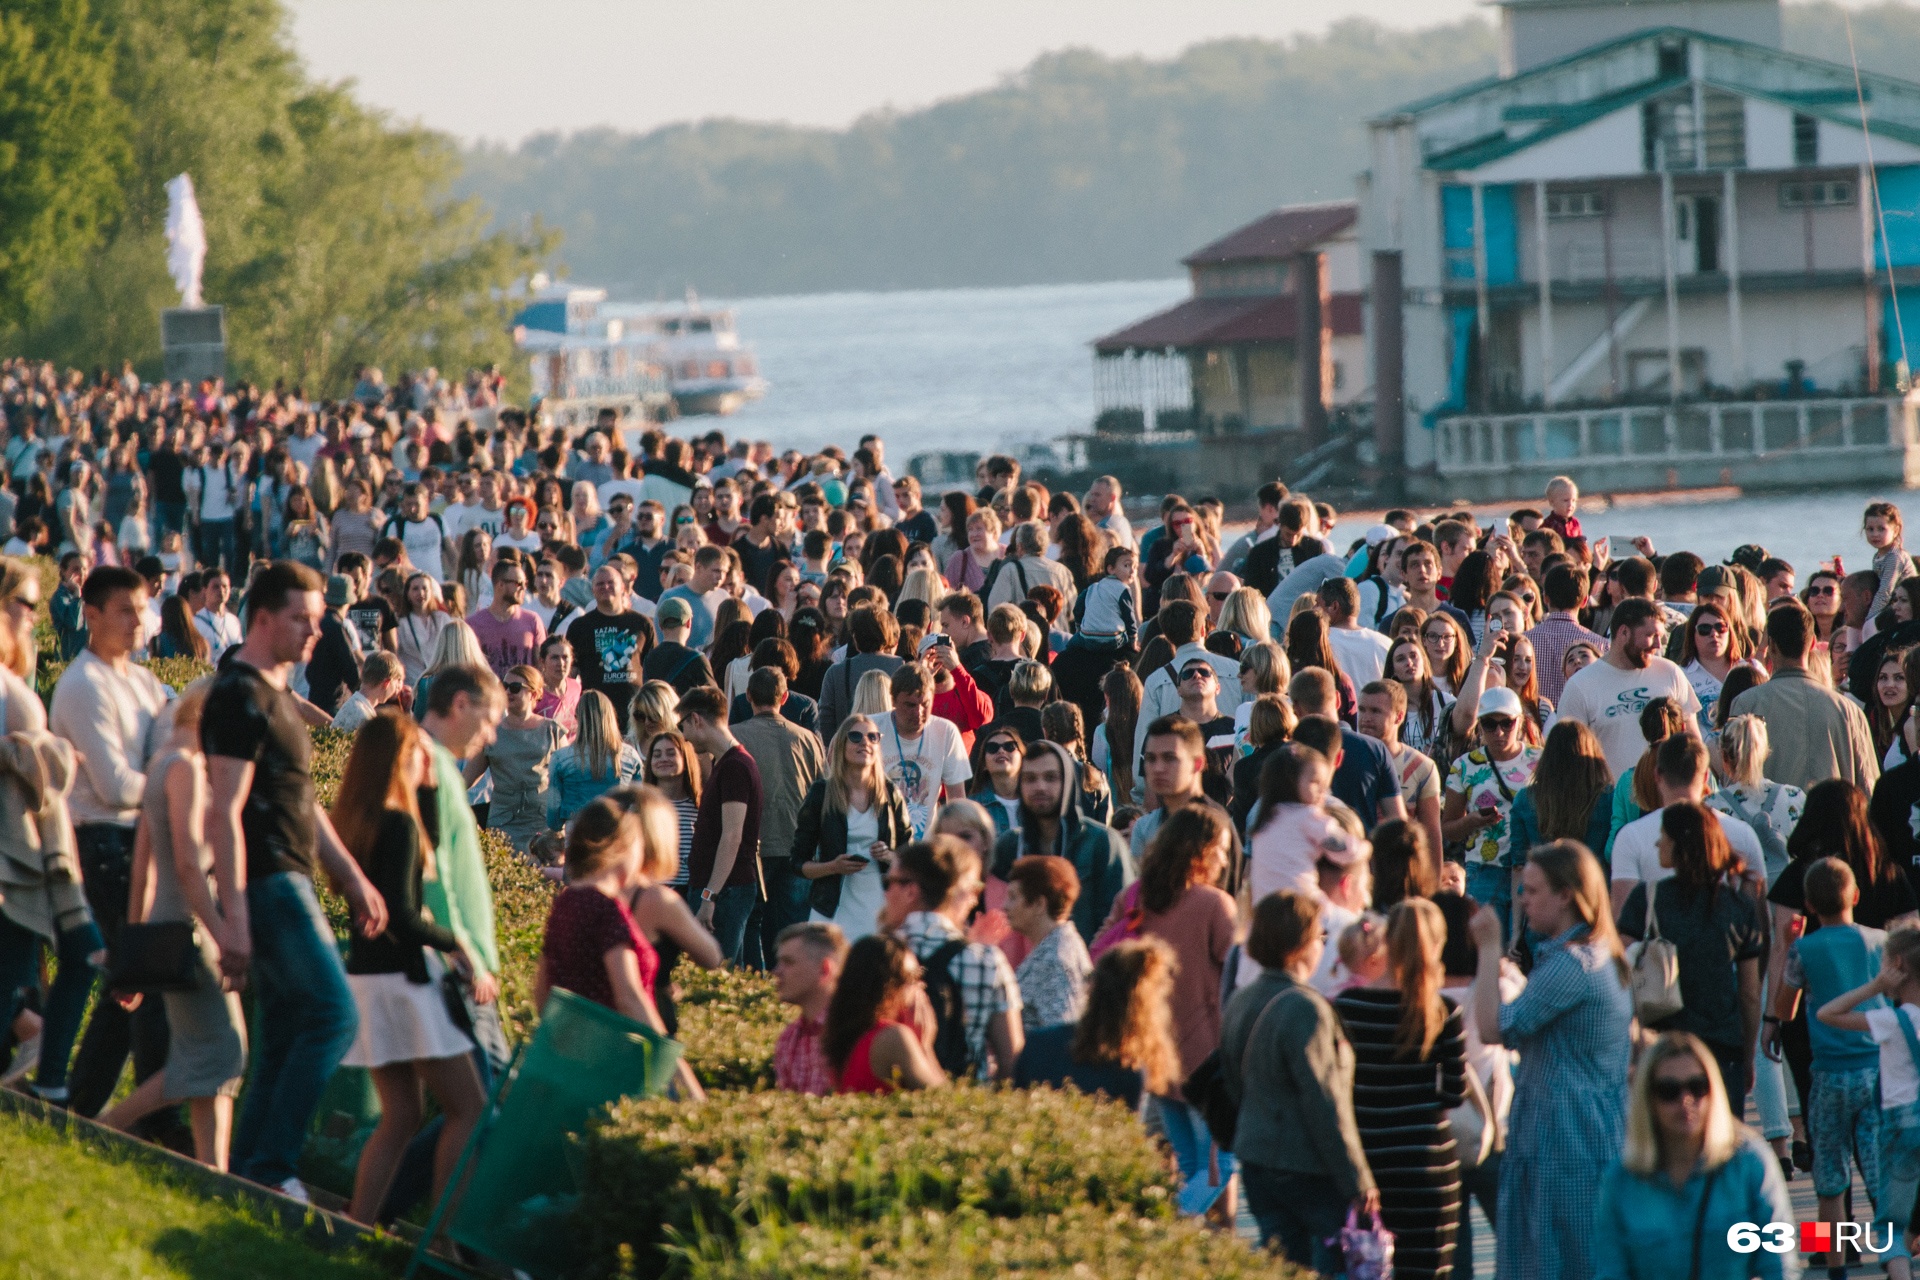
(608, 651)
(248, 719)
(372, 618)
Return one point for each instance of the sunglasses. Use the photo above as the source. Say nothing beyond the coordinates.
(516, 688)
(1197, 673)
(1218, 595)
(1711, 629)
(1823, 591)
(1004, 747)
(1695, 1087)
(857, 735)
(1499, 724)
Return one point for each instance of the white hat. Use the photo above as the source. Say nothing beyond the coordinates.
(1499, 702)
(1379, 533)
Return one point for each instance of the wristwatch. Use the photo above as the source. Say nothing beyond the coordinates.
(706, 895)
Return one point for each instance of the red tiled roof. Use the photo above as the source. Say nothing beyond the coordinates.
(1204, 322)
(1280, 234)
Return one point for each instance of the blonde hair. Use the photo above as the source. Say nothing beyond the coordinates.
(1642, 1154)
(1571, 868)
(970, 814)
(921, 584)
(873, 696)
(841, 780)
(597, 748)
(1268, 662)
(987, 519)
(1416, 934)
(659, 829)
(655, 707)
(457, 646)
(1246, 614)
(1361, 941)
(1744, 748)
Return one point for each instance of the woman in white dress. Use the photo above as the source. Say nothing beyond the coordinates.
(422, 620)
(849, 824)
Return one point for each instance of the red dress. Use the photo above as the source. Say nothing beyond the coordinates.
(858, 1076)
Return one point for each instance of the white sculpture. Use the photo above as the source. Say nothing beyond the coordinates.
(186, 240)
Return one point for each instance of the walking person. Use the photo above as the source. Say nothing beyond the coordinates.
(1122, 1044)
(1571, 1025)
(43, 905)
(1409, 1047)
(105, 705)
(521, 758)
(598, 761)
(1690, 1170)
(849, 825)
(659, 910)
(790, 760)
(406, 1037)
(269, 833)
(1041, 890)
(724, 863)
(173, 881)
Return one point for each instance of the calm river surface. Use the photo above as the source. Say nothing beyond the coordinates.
(979, 369)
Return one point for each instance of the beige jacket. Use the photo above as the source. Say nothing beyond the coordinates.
(40, 883)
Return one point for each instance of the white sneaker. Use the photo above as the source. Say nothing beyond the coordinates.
(294, 1189)
(25, 1058)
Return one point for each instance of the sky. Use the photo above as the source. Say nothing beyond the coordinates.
(502, 69)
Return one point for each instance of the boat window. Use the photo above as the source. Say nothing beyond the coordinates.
(701, 325)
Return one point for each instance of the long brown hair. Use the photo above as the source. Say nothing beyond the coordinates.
(879, 972)
(1416, 935)
(1701, 854)
(378, 780)
(1570, 779)
(1129, 1017)
(689, 762)
(1570, 867)
(1174, 858)
(1122, 689)
(1308, 644)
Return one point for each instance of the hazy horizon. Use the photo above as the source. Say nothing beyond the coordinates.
(451, 64)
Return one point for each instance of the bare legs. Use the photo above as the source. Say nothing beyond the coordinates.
(455, 1086)
(212, 1118)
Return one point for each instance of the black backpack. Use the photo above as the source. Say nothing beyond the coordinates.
(949, 1010)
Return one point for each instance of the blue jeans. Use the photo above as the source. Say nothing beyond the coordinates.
(1493, 887)
(1299, 1212)
(1194, 1151)
(787, 903)
(1899, 1172)
(734, 908)
(168, 517)
(306, 1019)
(66, 1000)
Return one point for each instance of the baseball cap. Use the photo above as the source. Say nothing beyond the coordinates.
(1379, 533)
(1499, 702)
(339, 590)
(675, 610)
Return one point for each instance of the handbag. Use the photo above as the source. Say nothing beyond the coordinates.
(1368, 1250)
(1476, 1130)
(1655, 963)
(1124, 927)
(155, 956)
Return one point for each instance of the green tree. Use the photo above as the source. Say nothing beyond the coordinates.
(61, 146)
(333, 238)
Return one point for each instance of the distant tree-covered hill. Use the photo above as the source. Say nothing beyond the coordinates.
(1081, 167)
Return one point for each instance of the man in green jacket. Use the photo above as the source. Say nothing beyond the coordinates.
(1051, 823)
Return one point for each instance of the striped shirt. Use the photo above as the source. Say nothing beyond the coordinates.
(1552, 636)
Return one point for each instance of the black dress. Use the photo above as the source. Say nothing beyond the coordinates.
(1400, 1107)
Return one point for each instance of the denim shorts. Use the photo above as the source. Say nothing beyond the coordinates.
(1843, 1120)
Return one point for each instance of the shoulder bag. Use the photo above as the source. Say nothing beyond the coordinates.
(1655, 963)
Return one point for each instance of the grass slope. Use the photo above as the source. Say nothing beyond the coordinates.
(77, 1211)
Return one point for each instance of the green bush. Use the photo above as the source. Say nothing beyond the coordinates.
(178, 673)
(1080, 1243)
(658, 1171)
(729, 1021)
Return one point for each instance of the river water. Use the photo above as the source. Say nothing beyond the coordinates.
(984, 369)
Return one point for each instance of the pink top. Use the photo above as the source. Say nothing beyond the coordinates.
(1285, 850)
(513, 643)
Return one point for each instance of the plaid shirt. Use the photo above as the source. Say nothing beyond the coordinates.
(986, 980)
(798, 1063)
(1552, 637)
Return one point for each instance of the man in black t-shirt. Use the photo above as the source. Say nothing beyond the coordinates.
(673, 660)
(723, 865)
(765, 542)
(915, 520)
(611, 642)
(262, 815)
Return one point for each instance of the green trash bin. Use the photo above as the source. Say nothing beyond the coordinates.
(516, 1206)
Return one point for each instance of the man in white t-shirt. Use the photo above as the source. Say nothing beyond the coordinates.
(1608, 696)
(1681, 770)
(1361, 653)
(421, 532)
(920, 751)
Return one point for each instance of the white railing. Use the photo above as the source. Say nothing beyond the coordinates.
(1475, 444)
(1633, 259)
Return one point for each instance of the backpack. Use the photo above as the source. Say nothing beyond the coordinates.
(993, 576)
(949, 1010)
(1772, 845)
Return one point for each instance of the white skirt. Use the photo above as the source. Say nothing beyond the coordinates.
(402, 1021)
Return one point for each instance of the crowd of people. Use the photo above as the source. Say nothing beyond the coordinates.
(1448, 862)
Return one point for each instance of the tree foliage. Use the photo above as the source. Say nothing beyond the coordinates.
(61, 144)
(333, 237)
(1081, 167)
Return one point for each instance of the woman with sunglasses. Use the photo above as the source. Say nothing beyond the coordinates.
(849, 824)
(1709, 651)
(589, 522)
(998, 753)
(1821, 595)
(1688, 1173)
(518, 532)
(521, 757)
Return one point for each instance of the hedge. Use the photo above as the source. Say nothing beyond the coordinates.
(706, 1178)
(1080, 1243)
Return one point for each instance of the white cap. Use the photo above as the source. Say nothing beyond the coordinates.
(1499, 702)
(1379, 533)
